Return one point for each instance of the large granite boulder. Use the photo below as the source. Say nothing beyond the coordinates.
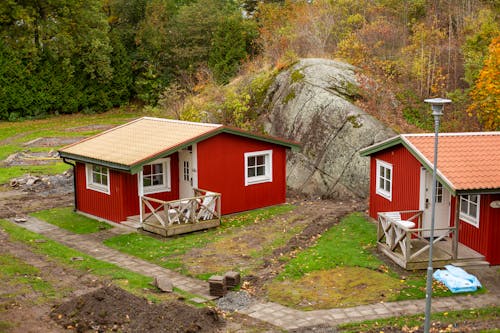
(311, 103)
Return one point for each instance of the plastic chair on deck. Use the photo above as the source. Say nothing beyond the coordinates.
(207, 207)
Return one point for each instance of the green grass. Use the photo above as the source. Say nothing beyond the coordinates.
(484, 314)
(67, 219)
(346, 251)
(22, 278)
(16, 134)
(128, 280)
(167, 252)
(347, 244)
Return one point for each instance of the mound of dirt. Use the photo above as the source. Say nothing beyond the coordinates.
(113, 309)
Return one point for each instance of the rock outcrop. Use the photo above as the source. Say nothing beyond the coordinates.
(311, 103)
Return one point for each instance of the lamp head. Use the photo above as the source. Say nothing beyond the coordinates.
(437, 105)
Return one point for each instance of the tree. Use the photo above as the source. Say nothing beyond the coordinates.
(486, 93)
(63, 56)
(232, 42)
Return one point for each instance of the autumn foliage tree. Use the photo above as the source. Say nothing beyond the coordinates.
(486, 93)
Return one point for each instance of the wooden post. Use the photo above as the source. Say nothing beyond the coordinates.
(141, 206)
(408, 245)
(454, 244)
(219, 207)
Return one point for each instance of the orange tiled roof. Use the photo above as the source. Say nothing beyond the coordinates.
(469, 161)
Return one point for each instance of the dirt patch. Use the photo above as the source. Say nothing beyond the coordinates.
(89, 128)
(28, 312)
(84, 298)
(53, 141)
(112, 308)
(317, 216)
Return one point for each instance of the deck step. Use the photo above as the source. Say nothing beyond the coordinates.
(471, 264)
(131, 223)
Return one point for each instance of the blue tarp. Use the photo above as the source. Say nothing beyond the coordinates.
(456, 279)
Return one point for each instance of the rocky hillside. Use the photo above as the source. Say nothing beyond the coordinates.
(311, 102)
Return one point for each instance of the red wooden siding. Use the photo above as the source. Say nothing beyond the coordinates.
(107, 206)
(485, 238)
(221, 168)
(123, 199)
(405, 181)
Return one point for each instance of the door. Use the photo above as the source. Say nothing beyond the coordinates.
(442, 219)
(186, 173)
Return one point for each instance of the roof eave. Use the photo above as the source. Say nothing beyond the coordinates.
(379, 146)
(478, 191)
(85, 159)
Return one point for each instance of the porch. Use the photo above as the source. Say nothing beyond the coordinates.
(400, 237)
(169, 218)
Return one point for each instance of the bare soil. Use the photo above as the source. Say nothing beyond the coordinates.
(86, 303)
(19, 203)
(112, 309)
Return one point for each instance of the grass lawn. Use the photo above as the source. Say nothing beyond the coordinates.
(66, 218)
(14, 134)
(445, 318)
(169, 252)
(341, 271)
(124, 278)
(21, 278)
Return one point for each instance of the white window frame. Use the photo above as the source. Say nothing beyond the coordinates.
(268, 163)
(465, 216)
(165, 187)
(91, 185)
(382, 191)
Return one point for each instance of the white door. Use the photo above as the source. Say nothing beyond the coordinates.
(185, 174)
(442, 219)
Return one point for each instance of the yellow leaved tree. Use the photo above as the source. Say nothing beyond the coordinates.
(486, 93)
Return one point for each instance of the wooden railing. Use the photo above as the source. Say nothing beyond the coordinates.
(205, 205)
(397, 235)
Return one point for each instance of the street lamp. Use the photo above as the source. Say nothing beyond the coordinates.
(437, 111)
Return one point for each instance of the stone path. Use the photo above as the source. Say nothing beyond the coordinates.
(273, 313)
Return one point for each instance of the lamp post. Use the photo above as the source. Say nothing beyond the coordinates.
(437, 111)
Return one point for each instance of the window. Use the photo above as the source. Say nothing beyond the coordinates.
(384, 179)
(469, 209)
(97, 178)
(439, 192)
(258, 167)
(186, 171)
(156, 176)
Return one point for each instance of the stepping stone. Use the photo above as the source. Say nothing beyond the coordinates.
(164, 284)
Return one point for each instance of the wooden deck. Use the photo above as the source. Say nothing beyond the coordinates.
(169, 218)
(441, 255)
(404, 244)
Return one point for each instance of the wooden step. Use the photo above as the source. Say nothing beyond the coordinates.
(471, 264)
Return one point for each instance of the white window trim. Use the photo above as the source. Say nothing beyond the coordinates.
(472, 220)
(90, 185)
(380, 191)
(165, 187)
(268, 176)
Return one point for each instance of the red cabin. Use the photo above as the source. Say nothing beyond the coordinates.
(467, 210)
(169, 160)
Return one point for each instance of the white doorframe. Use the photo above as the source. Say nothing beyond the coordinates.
(188, 178)
(442, 211)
